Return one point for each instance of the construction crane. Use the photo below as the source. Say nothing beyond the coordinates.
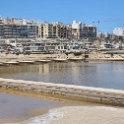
(98, 22)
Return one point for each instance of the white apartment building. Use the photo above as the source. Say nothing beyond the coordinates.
(118, 31)
(80, 30)
(77, 28)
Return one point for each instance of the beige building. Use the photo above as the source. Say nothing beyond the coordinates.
(100, 35)
(46, 30)
(55, 30)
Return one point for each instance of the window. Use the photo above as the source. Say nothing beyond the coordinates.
(61, 47)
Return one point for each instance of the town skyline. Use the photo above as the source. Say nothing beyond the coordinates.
(108, 13)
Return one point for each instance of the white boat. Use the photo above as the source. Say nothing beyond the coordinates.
(60, 59)
(44, 60)
(76, 59)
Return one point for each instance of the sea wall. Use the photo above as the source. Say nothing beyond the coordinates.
(101, 95)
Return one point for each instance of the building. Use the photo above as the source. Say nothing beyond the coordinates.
(23, 28)
(61, 30)
(104, 35)
(69, 31)
(18, 28)
(77, 29)
(118, 32)
(47, 30)
(1, 27)
(80, 30)
(89, 31)
(100, 35)
(19, 31)
(107, 35)
(1, 20)
(55, 30)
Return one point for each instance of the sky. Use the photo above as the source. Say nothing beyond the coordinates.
(110, 13)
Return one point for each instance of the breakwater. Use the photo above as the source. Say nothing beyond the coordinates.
(101, 95)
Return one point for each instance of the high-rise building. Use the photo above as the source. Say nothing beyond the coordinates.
(24, 28)
(18, 28)
(80, 30)
(89, 31)
(55, 30)
(77, 29)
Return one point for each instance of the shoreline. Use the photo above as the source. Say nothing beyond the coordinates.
(33, 112)
(72, 105)
(94, 56)
(54, 97)
(40, 111)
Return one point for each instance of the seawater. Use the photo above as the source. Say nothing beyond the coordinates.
(15, 106)
(92, 74)
(53, 114)
(95, 74)
(79, 115)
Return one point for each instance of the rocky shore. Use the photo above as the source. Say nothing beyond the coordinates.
(93, 56)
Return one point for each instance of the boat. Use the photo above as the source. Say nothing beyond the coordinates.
(44, 60)
(75, 59)
(60, 59)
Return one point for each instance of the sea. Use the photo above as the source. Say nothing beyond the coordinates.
(91, 74)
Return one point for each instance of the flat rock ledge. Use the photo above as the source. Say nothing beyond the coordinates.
(100, 95)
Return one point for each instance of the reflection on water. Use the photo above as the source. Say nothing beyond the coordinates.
(107, 75)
